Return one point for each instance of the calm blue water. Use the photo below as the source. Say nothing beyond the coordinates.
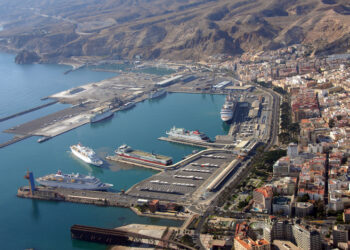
(22, 86)
(45, 225)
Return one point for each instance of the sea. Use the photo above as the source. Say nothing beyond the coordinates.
(27, 223)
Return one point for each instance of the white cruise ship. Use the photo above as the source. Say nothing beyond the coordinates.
(73, 181)
(228, 109)
(182, 134)
(157, 93)
(101, 115)
(86, 154)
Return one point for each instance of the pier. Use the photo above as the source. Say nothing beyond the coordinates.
(14, 140)
(78, 196)
(120, 237)
(191, 175)
(196, 143)
(27, 111)
(134, 162)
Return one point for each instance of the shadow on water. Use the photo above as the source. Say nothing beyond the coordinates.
(226, 126)
(79, 244)
(35, 210)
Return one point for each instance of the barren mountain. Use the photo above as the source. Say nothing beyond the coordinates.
(176, 29)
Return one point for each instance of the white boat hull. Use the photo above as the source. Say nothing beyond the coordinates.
(74, 186)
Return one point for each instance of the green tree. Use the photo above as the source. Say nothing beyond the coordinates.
(187, 239)
(304, 198)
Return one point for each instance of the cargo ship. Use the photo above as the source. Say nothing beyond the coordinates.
(73, 181)
(126, 151)
(228, 109)
(157, 93)
(183, 134)
(86, 154)
(101, 115)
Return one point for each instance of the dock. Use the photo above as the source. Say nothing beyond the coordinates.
(98, 198)
(195, 143)
(134, 162)
(27, 111)
(14, 140)
(121, 237)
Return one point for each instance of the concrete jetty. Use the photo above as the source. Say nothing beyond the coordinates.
(78, 196)
(27, 111)
(196, 143)
(14, 140)
(134, 162)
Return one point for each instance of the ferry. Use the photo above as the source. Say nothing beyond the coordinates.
(157, 93)
(86, 154)
(73, 181)
(101, 115)
(228, 109)
(127, 152)
(183, 134)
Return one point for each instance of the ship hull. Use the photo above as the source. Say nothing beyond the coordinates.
(157, 94)
(186, 137)
(127, 106)
(101, 117)
(226, 117)
(73, 186)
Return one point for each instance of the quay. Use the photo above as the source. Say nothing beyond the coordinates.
(78, 196)
(14, 140)
(121, 237)
(134, 162)
(27, 111)
(196, 143)
(193, 174)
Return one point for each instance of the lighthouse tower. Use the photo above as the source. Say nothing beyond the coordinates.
(30, 177)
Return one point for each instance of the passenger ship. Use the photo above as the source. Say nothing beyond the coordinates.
(73, 181)
(86, 154)
(183, 134)
(127, 152)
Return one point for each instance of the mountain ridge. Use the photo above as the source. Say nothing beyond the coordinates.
(178, 29)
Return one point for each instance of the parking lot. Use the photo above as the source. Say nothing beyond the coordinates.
(179, 184)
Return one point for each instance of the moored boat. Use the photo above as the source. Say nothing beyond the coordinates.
(228, 109)
(127, 152)
(182, 134)
(127, 105)
(73, 181)
(101, 115)
(157, 93)
(86, 154)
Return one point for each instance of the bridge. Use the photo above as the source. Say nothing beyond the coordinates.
(118, 237)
